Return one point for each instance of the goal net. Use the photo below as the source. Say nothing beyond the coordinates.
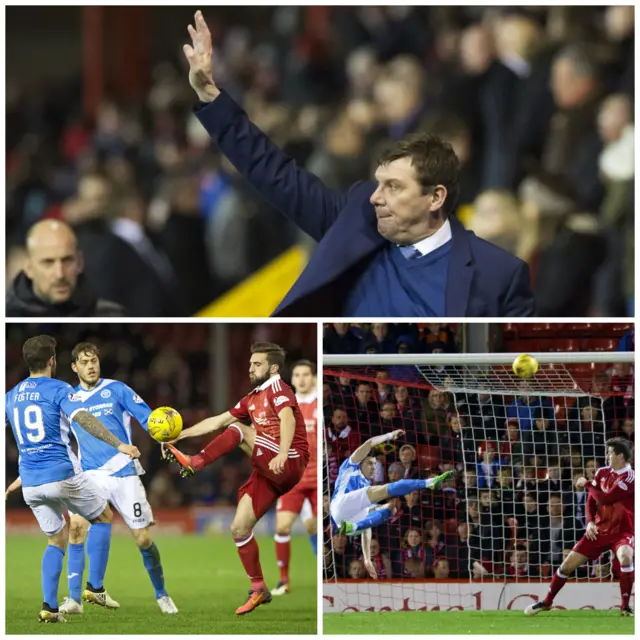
(493, 535)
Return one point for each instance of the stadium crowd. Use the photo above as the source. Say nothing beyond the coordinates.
(512, 510)
(537, 103)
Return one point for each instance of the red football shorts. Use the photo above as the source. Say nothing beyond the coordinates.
(294, 500)
(264, 486)
(610, 542)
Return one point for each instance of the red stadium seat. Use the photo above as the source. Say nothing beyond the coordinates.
(599, 344)
(428, 456)
(451, 526)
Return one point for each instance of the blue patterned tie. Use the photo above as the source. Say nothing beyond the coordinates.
(410, 252)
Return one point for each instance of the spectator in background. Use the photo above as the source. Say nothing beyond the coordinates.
(441, 569)
(412, 547)
(52, 283)
(380, 339)
(340, 338)
(511, 446)
(357, 570)
(518, 562)
(542, 440)
(414, 568)
(341, 441)
(408, 460)
(388, 419)
(488, 467)
(384, 391)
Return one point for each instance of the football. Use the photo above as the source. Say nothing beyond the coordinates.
(525, 366)
(165, 424)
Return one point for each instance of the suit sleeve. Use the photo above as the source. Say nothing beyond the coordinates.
(135, 405)
(241, 410)
(519, 301)
(298, 194)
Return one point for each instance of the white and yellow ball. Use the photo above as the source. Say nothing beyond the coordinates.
(525, 366)
(165, 424)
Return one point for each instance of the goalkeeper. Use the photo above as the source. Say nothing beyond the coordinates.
(352, 507)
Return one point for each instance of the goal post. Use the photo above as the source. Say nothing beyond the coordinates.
(492, 536)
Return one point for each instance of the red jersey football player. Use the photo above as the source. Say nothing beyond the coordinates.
(609, 525)
(276, 441)
(302, 500)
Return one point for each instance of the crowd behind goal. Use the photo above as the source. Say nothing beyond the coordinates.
(513, 510)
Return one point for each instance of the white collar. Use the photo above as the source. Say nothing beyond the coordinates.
(312, 397)
(434, 241)
(627, 467)
(268, 383)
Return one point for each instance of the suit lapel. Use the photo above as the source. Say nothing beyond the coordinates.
(460, 272)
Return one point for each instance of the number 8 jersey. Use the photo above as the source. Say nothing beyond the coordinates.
(40, 411)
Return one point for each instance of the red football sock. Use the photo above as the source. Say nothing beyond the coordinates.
(557, 582)
(626, 584)
(250, 556)
(217, 448)
(283, 553)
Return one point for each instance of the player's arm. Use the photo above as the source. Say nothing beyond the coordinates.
(363, 450)
(366, 553)
(135, 405)
(287, 429)
(94, 427)
(620, 491)
(209, 425)
(14, 486)
(591, 509)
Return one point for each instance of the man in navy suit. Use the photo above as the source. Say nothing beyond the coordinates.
(390, 248)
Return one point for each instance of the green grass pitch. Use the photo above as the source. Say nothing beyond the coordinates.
(203, 576)
(479, 623)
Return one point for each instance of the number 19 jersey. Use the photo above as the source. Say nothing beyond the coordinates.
(39, 411)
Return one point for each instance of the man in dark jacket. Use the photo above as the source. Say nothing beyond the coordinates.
(52, 284)
(388, 249)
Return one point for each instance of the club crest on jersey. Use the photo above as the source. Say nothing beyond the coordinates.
(251, 408)
(279, 400)
(105, 394)
(74, 397)
(137, 399)
(622, 485)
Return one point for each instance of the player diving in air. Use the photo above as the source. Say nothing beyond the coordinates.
(40, 410)
(352, 507)
(277, 445)
(610, 514)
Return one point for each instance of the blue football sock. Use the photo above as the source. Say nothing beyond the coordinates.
(151, 559)
(314, 543)
(51, 569)
(98, 544)
(75, 571)
(374, 519)
(403, 487)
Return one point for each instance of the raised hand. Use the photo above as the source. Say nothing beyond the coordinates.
(199, 56)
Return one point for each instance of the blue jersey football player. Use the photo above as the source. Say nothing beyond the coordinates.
(117, 477)
(40, 410)
(353, 506)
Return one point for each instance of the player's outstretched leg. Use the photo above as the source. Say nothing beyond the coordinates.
(624, 554)
(78, 530)
(51, 570)
(242, 531)
(218, 447)
(374, 519)
(153, 565)
(98, 545)
(404, 487)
